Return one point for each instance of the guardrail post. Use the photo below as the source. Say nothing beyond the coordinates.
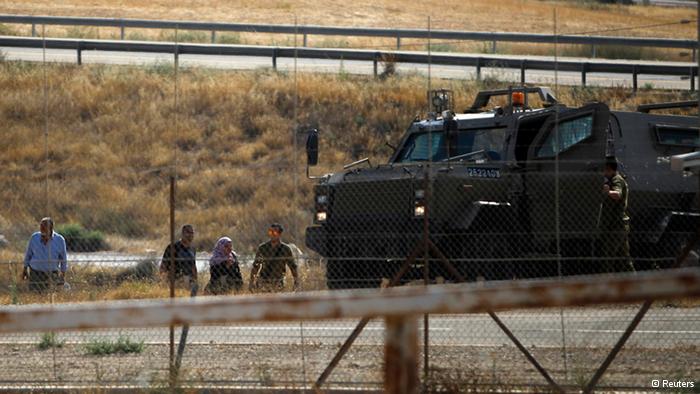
(693, 74)
(274, 59)
(584, 68)
(213, 36)
(493, 46)
(634, 78)
(522, 72)
(121, 31)
(34, 32)
(306, 41)
(593, 51)
(478, 69)
(375, 63)
(80, 53)
(398, 43)
(695, 53)
(401, 355)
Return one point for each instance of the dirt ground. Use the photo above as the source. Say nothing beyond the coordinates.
(282, 367)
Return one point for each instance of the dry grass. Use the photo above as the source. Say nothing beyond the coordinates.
(573, 17)
(96, 283)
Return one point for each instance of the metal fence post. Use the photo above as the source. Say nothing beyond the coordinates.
(80, 54)
(401, 355)
(121, 31)
(584, 68)
(634, 78)
(522, 72)
(274, 59)
(171, 277)
(593, 51)
(213, 36)
(306, 40)
(398, 43)
(493, 46)
(34, 32)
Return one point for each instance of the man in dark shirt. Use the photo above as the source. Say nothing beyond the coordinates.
(185, 265)
(271, 259)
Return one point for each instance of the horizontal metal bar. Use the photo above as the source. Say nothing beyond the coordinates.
(627, 67)
(354, 31)
(405, 301)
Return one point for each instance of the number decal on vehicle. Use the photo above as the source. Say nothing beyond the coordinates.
(484, 172)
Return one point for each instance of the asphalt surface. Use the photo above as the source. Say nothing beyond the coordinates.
(669, 3)
(662, 328)
(352, 67)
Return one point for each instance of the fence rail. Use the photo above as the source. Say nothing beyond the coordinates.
(403, 301)
(352, 31)
(584, 67)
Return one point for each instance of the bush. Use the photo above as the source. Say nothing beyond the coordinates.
(124, 345)
(79, 239)
(49, 340)
(145, 270)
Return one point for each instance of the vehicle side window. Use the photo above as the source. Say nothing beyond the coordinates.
(571, 132)
(677, 136)
(417, 148)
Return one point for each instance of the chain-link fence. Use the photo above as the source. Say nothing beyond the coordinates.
(122, 158)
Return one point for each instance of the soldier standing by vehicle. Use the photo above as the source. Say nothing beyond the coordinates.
(271, 258)
(614, 221)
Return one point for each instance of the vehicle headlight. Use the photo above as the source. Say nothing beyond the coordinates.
(321, 216)
(419, 211)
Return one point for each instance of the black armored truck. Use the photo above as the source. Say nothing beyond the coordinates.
(508, 191)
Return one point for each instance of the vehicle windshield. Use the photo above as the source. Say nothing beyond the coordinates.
(432, 146)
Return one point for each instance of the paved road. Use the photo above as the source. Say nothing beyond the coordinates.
(353, 67)
(662, 328)
(669, 3)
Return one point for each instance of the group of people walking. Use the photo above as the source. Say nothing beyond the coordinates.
(267, 273)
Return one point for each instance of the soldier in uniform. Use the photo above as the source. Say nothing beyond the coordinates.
(271, 259)
(614, 221)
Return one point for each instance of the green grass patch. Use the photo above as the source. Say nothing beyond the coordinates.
(229, 38)
(79, 239)
(123, 345)
(50, 340)
(7, 30)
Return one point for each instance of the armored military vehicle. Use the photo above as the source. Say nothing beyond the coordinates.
(506, 192)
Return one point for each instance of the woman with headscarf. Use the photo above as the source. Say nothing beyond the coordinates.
(224, 269)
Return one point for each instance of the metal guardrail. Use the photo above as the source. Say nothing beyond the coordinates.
(351, 31)
(477, 61)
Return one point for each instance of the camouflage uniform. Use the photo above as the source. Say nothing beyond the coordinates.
(615, 228)
(269, 265)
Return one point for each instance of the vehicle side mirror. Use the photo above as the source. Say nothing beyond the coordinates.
(312, 148)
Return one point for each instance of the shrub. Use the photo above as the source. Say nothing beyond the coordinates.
(49, 340)
(79, 239)
(145, 270)
(123, 345)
